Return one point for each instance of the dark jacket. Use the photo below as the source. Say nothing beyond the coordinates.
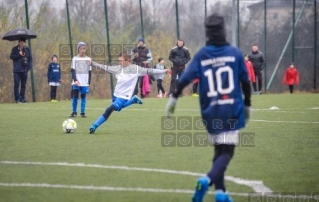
(144, 54)
(54, 72)
(17, 59)
(179, 56)
(257, 60)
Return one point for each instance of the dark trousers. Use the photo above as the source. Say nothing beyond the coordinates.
(20, 77)
(160, 86)
(195, 87)
(259, 79)
(176, 71)
(53, 92)
(291, 88)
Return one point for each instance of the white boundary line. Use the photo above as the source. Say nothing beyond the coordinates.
(257, 186)
(284, 121)
(106, 188)
(155, 190)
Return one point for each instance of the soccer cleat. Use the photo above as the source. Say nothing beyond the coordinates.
(92, 129)
(74, 114)
(137, 100)
(83, 115)
(201, 189)
(17, 102)
(195, 95)
(24, 101)
(221, 196)
(53, 100)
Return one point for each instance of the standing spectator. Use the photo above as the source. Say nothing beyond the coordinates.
(54, 76)
(250, 69)
(141, 56)
(81, 78)
(22, 63)
(257, 59)
(290, 77)
(223, 65)
(160, 78)
(179, 56)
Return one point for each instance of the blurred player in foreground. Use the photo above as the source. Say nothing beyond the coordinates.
(222, 73)
(127, 75)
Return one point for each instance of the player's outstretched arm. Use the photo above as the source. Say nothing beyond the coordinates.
(110, 69)
(151, 71)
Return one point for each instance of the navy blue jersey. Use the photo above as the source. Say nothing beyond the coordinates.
(220, 70)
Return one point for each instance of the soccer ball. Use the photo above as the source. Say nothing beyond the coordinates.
(69, 126)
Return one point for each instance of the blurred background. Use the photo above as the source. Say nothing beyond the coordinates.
(111, 26)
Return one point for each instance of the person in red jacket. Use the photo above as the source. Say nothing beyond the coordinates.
(250, 69)
(290, 77)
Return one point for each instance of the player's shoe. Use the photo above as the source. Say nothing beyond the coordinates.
(195, 95)
(137, 100)
(83, 115)
(92, 129)
(201, 189)
(53, 100)
(221, 196)
(74, 114)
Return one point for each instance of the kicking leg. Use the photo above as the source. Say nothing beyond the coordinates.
(102, 118)
(133, 100)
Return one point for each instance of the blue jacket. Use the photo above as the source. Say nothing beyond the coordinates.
(54, 72)
(17, 59)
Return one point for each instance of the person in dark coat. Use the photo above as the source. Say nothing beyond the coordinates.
(257, 59)
(54, 76)
(179, 56)
(142, 56)
(22, 63)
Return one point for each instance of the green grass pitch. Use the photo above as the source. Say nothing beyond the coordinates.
(285, 154)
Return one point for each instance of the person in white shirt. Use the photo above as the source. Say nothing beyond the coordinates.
(127, 75)
(81, 78)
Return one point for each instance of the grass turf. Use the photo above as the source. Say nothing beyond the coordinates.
(285, 154)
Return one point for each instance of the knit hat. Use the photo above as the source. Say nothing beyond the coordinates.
(141, 39)
(79, 45)
(54, 55)
(215, 29)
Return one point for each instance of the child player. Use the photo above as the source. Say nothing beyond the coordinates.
(222, 72)
(160, 78)
(127, 75)
(54, 76)
(81, 78)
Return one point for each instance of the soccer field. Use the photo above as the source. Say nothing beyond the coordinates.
(125, 160)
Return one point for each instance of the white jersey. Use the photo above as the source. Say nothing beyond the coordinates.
(81, 67)
(127, 77)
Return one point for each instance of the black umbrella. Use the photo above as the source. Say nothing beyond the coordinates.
(19, 33)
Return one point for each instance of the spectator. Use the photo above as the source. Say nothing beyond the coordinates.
(290, 77)
(160, 89)
(250, 69)
(141, 56)
(54, 76)
(22, 63)
(179, 56)
(257, 59)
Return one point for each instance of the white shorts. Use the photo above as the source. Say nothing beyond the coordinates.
(54, 83)
(229, 137)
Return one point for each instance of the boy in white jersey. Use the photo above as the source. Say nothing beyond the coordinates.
(81, 78)
(127, 75)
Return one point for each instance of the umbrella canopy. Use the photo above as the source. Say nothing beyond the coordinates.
(19, 33)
